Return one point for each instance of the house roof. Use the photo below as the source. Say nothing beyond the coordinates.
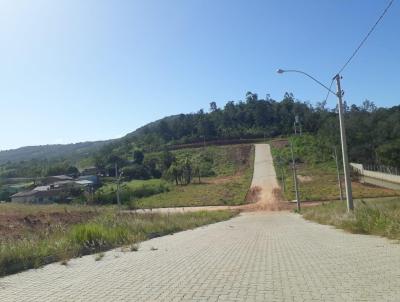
(84, 182)
(61, 177)
(25, 193)
(42, 188)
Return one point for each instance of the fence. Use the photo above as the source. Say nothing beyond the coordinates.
(392, 177)
(382, 169)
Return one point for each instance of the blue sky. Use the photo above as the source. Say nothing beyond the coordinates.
(73, 70)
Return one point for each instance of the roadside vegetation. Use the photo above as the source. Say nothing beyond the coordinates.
(31, 246)
(316, 171)
(376, 216)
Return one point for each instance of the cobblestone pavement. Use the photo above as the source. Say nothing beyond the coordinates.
(259, 256)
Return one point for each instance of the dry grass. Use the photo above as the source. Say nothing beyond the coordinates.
(378, 216)
(106, 231)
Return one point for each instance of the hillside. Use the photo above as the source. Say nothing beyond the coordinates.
(373, 133)
(49, 152)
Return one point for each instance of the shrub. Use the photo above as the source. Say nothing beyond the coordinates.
(94, 237)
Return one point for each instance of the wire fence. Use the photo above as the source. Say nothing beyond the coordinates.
(382, 169)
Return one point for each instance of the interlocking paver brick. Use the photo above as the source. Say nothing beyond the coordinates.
(254, 257)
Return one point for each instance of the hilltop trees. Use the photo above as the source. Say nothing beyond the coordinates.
(373, 135)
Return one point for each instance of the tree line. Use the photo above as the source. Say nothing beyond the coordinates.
(373, 134)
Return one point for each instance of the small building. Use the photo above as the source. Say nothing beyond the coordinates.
(95, 179)
(36, 196)
(57, 178)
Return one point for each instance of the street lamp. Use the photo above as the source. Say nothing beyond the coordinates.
(346, 167)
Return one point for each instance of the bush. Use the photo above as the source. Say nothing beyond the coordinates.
(136, 171)
(95, 237)
(128, 193)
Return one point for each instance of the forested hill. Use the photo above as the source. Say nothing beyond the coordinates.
(373, 134)
(49, 152)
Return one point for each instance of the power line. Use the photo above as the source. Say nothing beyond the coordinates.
(366, 37)
(328, 93)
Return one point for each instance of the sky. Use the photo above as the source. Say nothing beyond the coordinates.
(73, 70)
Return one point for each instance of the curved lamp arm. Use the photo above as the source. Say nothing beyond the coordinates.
(306, 74)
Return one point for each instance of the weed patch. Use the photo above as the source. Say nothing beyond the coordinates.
(104, 232)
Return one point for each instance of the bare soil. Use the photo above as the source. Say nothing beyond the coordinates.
(304, 178)
(14, 225)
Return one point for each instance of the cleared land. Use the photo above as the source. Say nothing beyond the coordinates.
(19, 221)
(232, 167)
(36, 235)
(316, 173)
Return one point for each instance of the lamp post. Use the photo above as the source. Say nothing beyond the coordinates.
(346, 167)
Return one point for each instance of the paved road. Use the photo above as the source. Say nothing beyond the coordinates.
(260, 256)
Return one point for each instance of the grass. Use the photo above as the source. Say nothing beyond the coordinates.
(107, 230)
(134, 184)
(376, 216)
(132, 190)
(321, 185)
(317, 173)
(32, 209)
(233, 169)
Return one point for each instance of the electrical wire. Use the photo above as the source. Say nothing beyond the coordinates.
(328, 93)
(366, 37)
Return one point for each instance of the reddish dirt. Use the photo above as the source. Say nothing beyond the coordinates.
(276, 203)
(253, 195)
(15, 225)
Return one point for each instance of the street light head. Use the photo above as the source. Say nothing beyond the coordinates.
(280, 70)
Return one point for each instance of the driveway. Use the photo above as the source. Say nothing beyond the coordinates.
(259, 256)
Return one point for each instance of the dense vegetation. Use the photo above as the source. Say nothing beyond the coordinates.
(70, 151)
(373, 134)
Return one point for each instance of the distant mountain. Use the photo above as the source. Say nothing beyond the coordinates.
(69, 151)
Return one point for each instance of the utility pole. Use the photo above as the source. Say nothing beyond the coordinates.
(118, 178)
(338, 173)
(281, 164)
(346, 168)
(296, 187)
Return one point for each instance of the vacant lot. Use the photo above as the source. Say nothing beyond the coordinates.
(45, 234)
(231, 169)
(316, 173)
(376, 216)
(18, 221)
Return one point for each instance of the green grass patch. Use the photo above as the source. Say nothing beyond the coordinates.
(233, 170)
(131, 190)
(317, 174)
(106, 231)
(377, 216)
